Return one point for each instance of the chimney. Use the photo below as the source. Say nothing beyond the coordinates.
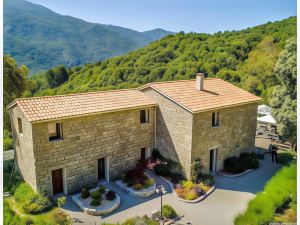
(199, 81)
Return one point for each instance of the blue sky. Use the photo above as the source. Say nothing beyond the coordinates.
(207, 16)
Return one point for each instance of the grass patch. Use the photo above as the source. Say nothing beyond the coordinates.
(16, 215)
(263, 208)
(10, 186)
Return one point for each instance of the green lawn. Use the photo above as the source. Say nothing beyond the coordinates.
(14, 215)
(277, 202)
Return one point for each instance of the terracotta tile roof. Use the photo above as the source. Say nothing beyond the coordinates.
(217, 93)
(60, 106)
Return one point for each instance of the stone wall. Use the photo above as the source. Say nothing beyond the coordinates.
(173, 130)
(117, 135)
(24, 154)
(236, 133)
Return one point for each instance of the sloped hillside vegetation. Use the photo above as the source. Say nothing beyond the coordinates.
(245, 58)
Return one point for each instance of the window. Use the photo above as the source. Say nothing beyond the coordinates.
(20, 128)
(144, 115)
(215, 119)
(55, 131)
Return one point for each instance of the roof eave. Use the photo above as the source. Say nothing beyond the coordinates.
(90, 114)
(227, 106)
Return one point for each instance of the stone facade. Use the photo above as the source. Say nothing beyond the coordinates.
(184, 136)
(116, 136)
(173, 130)
(24, 153)
(235, 133)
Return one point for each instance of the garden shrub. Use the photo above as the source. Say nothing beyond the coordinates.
(207, 179)
(162, 169)
(102, 189)
(177, 177)
(156, 154)
(204, 187)
(61, 201)
(244, 162)
(233, 165)
(136, 178)
(85, 193)
(96, 194)
(191, 195)
(110, 195)
(138, 186)
(277, 191)
(140, 220)
(188, 184)
(196, 167)
(149, 182)
(285, 157)
(31, 201)
(96, 202)
(169, 212)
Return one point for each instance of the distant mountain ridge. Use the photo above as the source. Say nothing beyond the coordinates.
(41, 38)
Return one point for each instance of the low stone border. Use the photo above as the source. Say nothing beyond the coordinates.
(146, 192)
(201, 198)
(98, 210)
(235, 175)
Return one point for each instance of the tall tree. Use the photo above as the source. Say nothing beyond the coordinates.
(284, 102)
(14, 82)
(14, 78)
(56, 76)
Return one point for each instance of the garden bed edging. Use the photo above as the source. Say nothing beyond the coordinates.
(146, 192)
(96, 211)
(199, 199)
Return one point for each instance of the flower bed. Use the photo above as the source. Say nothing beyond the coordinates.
(188, 190)
(98, 201)
(136, 183)
(240, 165)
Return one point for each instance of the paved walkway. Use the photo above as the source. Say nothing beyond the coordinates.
(228, 200)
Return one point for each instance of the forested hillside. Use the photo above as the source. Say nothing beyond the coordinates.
(41, 39)
(245, 58)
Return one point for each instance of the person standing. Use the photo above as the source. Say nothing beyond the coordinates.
(274, 153)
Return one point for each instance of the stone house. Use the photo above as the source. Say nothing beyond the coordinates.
(67, 142)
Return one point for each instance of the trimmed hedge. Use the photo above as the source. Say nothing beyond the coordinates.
(31, 201)
(110, 195)
(278, 190)
(85, 193)
(244, 162)
(96, 202)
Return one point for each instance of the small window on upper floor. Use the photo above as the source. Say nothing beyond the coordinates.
(144, 116)
(55, 131)
(20, 128)
(215, 119)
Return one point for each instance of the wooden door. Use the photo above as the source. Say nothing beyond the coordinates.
(101, 169)
(143, 153)
(57, 181)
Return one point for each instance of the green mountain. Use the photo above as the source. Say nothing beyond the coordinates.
(245, 58)
(40, 38)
